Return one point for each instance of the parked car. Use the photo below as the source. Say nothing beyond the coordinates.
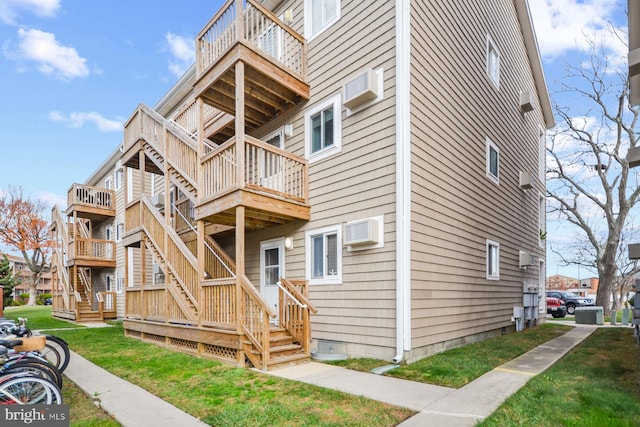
(48, 301)
(571, 300)
(556, 307)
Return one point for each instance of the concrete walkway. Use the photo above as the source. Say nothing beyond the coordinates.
(442, 406)
(132, 406)
(129, 404)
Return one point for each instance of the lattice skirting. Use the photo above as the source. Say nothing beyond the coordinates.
(209, 351)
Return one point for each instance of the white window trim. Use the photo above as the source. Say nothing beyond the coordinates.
(488, 245)
(336, 101)
(308, 19)
(490, 144)
(119, 231)
(119, 181)
(108, 184)
(334, 280)
(492, 46)
(109, 279)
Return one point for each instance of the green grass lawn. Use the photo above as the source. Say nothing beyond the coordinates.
(596, 384)
(38, 317)
(459, 366)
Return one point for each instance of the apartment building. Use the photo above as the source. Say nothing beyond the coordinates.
(338, 177)
(88, 260)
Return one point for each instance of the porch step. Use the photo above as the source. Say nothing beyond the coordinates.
(276, 362)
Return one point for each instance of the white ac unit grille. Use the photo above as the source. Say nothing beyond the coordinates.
(361, 232)
(361, 89)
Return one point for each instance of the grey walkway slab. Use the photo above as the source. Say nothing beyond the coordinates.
(129, 404)
(442, 406)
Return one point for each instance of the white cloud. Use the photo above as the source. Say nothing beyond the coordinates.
(50, 199)
(77, 120)
(569, 25)
(52, 58)
(10, 9)
(183, 52)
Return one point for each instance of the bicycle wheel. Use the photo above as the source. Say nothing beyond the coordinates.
(62, 348)
(29, 390)
(40, 369)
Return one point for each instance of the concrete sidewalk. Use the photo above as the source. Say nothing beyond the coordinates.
(129, 404)
(443, 406)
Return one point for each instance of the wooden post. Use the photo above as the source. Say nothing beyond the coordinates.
(240, 264)
(239, 125)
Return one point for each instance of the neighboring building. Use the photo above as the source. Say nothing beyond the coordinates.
(369, 176)
(583, 287)
(88, 261)
(22, 272)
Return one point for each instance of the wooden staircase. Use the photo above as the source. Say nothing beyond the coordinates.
(283, 351)
(85, 314)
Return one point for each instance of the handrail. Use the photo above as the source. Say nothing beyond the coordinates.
(248, 286)
(215, 253)
(291, 296)
(189, 258)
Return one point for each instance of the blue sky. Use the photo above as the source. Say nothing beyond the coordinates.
(72, 71)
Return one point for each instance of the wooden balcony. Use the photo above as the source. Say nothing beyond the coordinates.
(96, 204)
(94, 253)
(274, 58)
(272, 184)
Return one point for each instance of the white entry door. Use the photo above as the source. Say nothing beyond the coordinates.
(271, 270)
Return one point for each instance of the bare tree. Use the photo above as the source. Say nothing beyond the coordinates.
(588, 178)
(23, 228)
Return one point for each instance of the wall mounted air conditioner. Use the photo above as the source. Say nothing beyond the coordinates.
(363, 232)
(527, 259)
(527, 101)
(526, 180)
(363, 88)
(633, 156)
(158, 200)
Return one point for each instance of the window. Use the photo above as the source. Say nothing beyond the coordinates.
(323, 129)
(324, 249)
(119, 231)
(493, 62)
(119, 282)
(107, 184)
(108, 233)
(119, 178)
(493, 260)
(493, 162)
(319, 15)
(109, 285)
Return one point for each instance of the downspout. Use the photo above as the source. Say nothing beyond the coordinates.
(403, 181)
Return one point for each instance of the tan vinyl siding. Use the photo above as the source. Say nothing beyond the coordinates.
(455, 207)
(357, 183)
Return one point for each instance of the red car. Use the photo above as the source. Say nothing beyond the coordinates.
(556, 307)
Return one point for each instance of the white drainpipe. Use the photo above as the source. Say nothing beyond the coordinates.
(403, 182)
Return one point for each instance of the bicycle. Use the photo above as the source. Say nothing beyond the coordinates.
(23, 387)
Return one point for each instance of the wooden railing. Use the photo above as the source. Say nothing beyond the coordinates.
(188, 117)
(94, 197)
(60, 251)
(181, 263)
(107, 305)
(254, 26)
(219, 303)
(181, 152)
(267, 169)
(92, 249)
(294, 311)
(254, 318)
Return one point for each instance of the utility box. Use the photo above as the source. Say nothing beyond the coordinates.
(590, 315)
